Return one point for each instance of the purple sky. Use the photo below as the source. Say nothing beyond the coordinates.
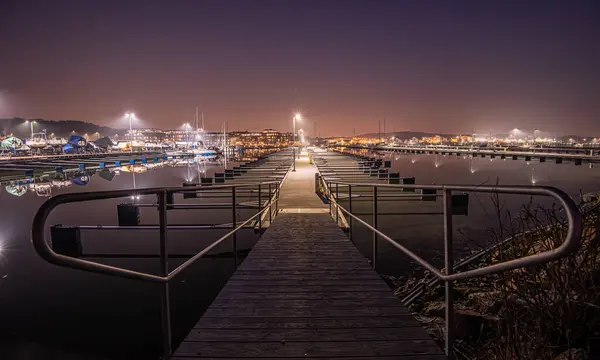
(446, 66)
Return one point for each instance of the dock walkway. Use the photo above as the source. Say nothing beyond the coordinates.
(306, 292)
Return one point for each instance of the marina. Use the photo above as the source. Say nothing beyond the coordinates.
(293, 268)
(577, 157)
(299, 180)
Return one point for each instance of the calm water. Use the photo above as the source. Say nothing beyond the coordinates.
(424, 233)
(52, 312)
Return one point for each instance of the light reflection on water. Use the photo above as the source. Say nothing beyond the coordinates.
(424, 233)
(49, 311)
(77, 311)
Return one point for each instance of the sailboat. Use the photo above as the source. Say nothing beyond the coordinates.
(198, 147)
(57, 141)
(37, 140)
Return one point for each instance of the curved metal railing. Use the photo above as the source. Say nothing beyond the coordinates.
(43, 248)
(570, 245)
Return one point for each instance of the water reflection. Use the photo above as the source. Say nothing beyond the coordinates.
(469, 169)
(113, 309)
(42, 185)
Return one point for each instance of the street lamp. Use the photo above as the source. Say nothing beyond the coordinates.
(297, 116)
(130, 116)
(515, 132)
(187, 134)
(31, 122)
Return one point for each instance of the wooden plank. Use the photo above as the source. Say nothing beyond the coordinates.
(306, 303)
(305, 334)
(408, 357)
(300, 267)
(359, 270)
(307, 349)
(307, 272)
(299, 298)
(332, 311)
(232, 288)
(319, 276)
(307, 322)
(309, 282)
(340, 295)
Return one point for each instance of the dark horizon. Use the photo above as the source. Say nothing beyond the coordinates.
(429, 66)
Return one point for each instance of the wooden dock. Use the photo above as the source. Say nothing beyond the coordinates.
(306, 292)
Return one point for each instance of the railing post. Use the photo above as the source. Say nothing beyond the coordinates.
(270, 206)
(277, 198)
(165, 306)
(449, 264)
(259, 208)
(375, 236)
(328, 185)
(350, 211)
(337, 205)
(294, 157)
(234, 225)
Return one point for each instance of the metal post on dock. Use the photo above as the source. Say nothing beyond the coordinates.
(234, 224)
(294, 157)
(350, 211)
(277, 198)
(330, 197)
(449, 264)
(270, 206)
(337, 205)
(259, 208)
(165, 306)
(375, 236)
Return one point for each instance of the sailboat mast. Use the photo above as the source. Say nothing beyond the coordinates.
(196, 136)
(225, 142)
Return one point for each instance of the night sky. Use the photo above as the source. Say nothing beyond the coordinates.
(440, 66)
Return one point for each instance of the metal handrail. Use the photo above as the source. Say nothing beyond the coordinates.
(571, 243)
(44, 250)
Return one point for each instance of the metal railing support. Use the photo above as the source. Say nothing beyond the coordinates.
(165, 306)
(570, 245)
(449, 264)
(277, 198)
(270, 206)
(330, 198)
(350, 209)
(234, 225)
(259, 207)
(294, 157)
(375, 236)
(337, 210)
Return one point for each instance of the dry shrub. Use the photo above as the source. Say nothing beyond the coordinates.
(546, 309)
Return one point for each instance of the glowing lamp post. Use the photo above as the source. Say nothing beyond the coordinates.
(296, 117)
(186, 126)
(130, 116)
(31, 122)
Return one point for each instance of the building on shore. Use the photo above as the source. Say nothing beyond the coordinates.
(265, 138)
